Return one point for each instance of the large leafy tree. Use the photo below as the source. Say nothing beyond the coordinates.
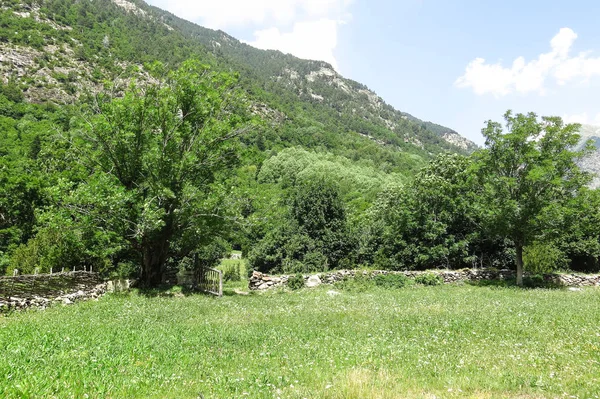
(528, 167)
(167, 145)
(432, 222)
(313, 237)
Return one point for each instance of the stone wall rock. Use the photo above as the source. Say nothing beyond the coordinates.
(39, 302)
(43, 290)
(260, 281)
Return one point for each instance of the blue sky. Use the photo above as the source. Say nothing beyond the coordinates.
(457, 63)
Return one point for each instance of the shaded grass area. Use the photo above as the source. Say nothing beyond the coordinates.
(447, 341)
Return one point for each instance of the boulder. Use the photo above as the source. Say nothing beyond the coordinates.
(313, 281)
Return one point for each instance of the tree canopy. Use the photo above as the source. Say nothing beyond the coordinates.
(528, 169)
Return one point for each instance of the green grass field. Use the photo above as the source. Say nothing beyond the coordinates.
(416, 342)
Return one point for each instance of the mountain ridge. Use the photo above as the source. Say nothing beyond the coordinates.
(64, 49)
(325, 70)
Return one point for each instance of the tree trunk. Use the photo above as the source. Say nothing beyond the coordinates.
(519, 248)
(155, 253)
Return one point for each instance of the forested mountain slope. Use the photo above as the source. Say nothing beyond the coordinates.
(59, 50)
(133, 142)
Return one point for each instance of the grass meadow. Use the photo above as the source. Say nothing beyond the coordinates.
(450, 341)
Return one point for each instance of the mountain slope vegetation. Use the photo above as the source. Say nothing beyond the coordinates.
(137, 143)
(62, 49)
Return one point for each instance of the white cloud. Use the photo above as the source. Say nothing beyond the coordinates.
(304, 28)
(222, 14)
(312, 40)
(526, 77)
(582, 118)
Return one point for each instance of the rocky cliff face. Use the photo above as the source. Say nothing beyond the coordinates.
(591, 163)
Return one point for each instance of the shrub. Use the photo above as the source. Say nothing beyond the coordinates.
(391, 280)
(292, 266)
(359, 283)
(542, 258)
(125, 269)
(315, 261)
(429, 279)
(231, 272)
(51, 248)
(296, 282)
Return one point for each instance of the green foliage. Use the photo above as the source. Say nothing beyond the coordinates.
(211, 254)
(528, 171)
(575, 231)
(543, 258)
(124, 174)
(232, 272)
(155, 171)
(391, 280)
(281, 250)
(361, 282)
(314, 237)
(429, 279)
(296, 282)
(317, 207)
(12, 91)
(50, 249)
(434, 221)
(110, 40)
(358, 182)
(124, 270)
(166, 146)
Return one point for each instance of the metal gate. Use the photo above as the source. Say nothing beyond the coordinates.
(210, 281)
(202, 278)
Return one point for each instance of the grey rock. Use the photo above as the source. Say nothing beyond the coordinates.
(313, 281)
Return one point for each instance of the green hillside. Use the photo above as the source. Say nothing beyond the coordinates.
(57, 56)
(132, 141)
(62, 49)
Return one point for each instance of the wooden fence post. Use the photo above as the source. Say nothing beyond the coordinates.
(220, 283)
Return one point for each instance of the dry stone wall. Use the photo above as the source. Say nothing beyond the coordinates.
(261, 282)
(42, 290)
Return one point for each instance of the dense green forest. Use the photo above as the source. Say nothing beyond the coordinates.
(131, 143)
